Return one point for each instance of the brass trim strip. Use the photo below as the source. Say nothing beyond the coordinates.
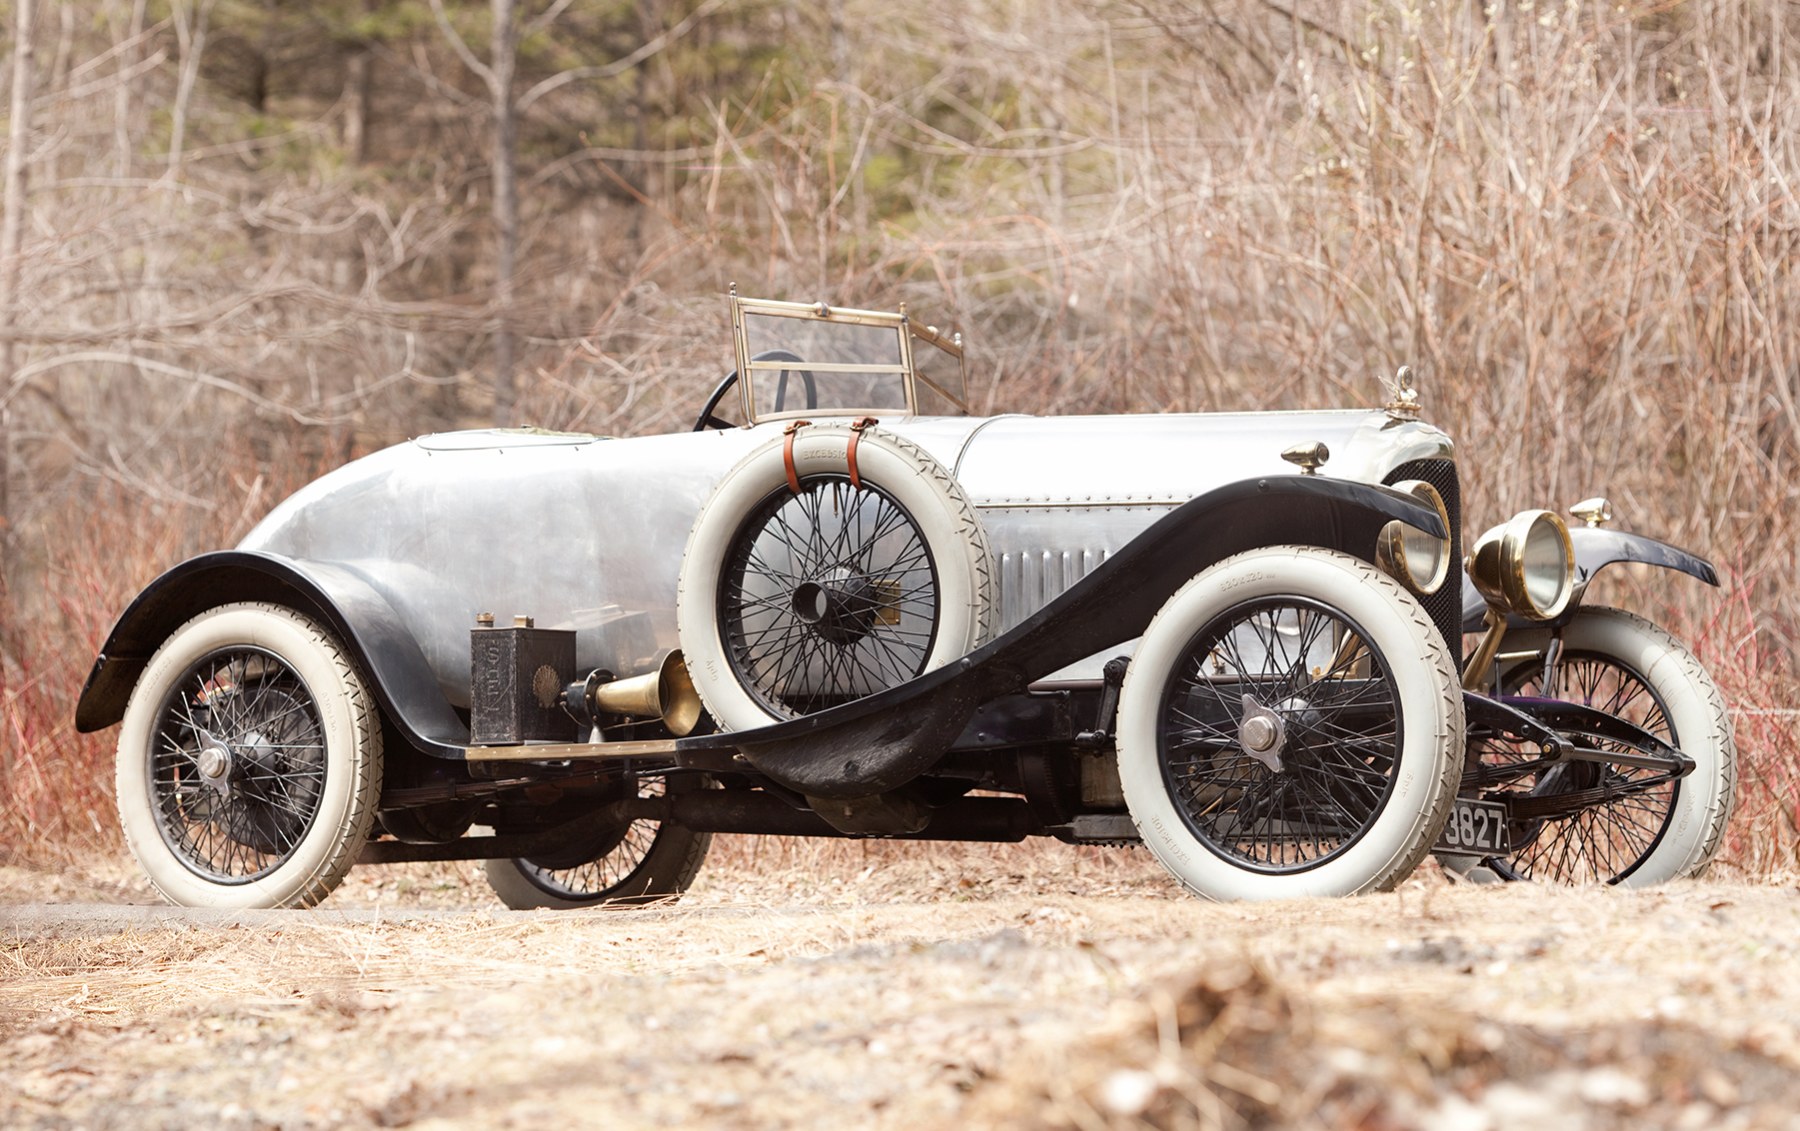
(571, 751)
(894, 367)
(1101, 503)
(780, 308)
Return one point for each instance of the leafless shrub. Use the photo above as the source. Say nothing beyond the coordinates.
(1574, 221)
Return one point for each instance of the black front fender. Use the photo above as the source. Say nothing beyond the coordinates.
(880, 742)
(359, 617)
(1597, 547)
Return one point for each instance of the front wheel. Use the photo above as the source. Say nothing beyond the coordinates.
(249, 761)
(1642, 830)
(1291, 725)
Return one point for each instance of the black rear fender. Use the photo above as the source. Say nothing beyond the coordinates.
(335, 596)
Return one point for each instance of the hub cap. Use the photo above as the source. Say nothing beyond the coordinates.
(1261, 731)
(214, 762)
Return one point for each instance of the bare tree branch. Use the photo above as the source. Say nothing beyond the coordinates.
(619, 66)
(461, 48)
(192, 40)
(548, 17)
(110, 82)
(21, 379)
(12, 227)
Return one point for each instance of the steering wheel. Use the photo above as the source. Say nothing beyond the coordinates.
(709, 417)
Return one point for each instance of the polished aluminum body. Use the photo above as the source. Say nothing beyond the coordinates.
(587, 533)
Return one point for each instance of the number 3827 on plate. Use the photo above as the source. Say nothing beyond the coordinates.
(1474, 826)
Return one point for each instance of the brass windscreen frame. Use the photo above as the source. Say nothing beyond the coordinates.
(953, 346)
(904, 367)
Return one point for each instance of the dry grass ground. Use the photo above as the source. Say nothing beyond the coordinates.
(1571, 218)
(932, 988)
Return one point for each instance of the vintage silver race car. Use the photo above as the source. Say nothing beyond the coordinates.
(1234, 638)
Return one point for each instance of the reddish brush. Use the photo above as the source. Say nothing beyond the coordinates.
(57, 785)
(1764, 836)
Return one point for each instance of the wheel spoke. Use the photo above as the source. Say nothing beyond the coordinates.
(1313, 668)
(862, 555)
(1609, 835)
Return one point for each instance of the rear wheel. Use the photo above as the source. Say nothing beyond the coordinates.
(249, 761)
(1636, 829)
(1291, 725)
(624, 865)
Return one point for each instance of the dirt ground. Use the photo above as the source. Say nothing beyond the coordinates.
(916, 988)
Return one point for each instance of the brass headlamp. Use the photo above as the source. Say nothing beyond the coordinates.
(1526, 565)
(1420, 561)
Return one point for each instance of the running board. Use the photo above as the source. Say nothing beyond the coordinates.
(571, 751)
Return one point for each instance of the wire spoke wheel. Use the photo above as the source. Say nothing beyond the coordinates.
(624, 864)
(1290, 725)
(1624, 811)
(1280, 734)
(827, 595)
(603, 862)
(801, 590)
(249, 761)
(1598, 822)
(237, 764)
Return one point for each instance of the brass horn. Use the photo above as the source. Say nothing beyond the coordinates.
(667, 693)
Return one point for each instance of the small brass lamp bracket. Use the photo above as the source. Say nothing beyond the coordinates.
(1596, 511)
(1308, 457)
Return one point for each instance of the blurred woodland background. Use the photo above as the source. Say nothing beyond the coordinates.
(246, 240)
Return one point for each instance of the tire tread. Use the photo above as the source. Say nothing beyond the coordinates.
(366, 761)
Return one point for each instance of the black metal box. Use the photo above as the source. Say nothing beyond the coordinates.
(517, 674)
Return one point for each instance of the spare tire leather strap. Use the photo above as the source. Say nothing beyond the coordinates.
(856, 434)
(787, 454)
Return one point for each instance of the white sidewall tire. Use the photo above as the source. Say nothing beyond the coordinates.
(352, 730)
(952, 531)
(1430, 698)
(1696, 713)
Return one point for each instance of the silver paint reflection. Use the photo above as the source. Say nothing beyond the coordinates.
(587, 533)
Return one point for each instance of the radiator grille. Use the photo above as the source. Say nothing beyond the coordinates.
(1445, 606)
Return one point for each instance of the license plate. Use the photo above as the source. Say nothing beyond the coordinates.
(1474, 827)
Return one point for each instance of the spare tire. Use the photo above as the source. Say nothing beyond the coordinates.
(827, 566)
